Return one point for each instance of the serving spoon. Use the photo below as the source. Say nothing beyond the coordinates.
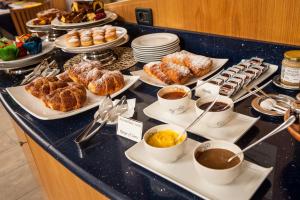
(283, 126)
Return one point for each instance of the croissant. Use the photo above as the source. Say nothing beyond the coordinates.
(110, 82)
(177, 73)
(153, 69)
(199, 65)
(67, 98)
(177, 58)
(42, 86)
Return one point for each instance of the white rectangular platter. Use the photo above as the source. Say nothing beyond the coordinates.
(183, 174)
(272, 69)
(230, 132)
(36, 107)
(217, 64)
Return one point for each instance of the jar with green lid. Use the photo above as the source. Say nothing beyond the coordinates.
(290, 69)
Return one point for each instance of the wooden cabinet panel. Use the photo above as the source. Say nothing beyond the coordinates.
(58, 182)
(268, 20)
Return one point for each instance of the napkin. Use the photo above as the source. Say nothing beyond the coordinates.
(206, 90)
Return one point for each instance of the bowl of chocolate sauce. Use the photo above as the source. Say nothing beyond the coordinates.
(219, 114)
(211, 161)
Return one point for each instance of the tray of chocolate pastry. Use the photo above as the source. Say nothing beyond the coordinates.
(76, 90)
(183, 68)
(83, 13)
(43, 19)
(83, 40)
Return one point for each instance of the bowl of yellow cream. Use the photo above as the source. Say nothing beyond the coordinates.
(161, 142)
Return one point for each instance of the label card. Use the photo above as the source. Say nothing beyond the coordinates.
(130, 129)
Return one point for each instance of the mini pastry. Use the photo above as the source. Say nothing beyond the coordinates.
(110, 29)
(33, 45)
(22, 51)
(85, 33)
(73, 42)
(73, 33)
(98, 39)
(23, 38)
(86, 41)
(98, 32)
(111, 36)
(9, 52)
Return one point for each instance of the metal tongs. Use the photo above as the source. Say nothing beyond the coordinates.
(106, 112)
(44, 69)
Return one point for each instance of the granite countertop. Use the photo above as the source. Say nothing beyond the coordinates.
(105, 166)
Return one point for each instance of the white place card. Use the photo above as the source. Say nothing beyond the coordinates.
(130, 129)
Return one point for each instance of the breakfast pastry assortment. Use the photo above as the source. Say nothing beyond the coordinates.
(236, 77)
(24, 44)
(46, 16)
(89, 37)
(67, 91)
(179, 67)
(83, 11)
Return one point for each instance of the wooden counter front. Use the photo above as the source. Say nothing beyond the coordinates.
(58, 182)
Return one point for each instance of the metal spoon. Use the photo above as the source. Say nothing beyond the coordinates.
(198, 118)
(269, 103)
(283, 126)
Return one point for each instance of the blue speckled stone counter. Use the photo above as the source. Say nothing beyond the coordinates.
(104, 165)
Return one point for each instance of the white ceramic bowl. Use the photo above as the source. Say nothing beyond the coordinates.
(167, 154)
(174, 106)
(215, 119)
(218, 176)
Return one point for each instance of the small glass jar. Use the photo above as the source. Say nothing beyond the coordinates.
(290, 69)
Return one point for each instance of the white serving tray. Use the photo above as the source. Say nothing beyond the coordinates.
(183, 174)
(36, 107)
(217, 64)
(231, 132)
(60, 42)
(272, 69)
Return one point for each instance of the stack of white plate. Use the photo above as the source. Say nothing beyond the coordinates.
(153, 47)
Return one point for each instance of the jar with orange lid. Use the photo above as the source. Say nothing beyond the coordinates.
(290, 70)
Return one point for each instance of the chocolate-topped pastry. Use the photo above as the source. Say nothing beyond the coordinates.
(256, 61)
(237, 81)
(216, 81)
(227, 73)
(228, 89)
(251, 70)
(234, 69)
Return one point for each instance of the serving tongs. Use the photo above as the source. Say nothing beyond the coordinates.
(44, 69)
(106, 112)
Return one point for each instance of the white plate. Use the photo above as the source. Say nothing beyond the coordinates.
(155, 53)
(29, 59)
(217, 64)
(231, 132)
(272, 69)
(92, 49)
(36, 107)
(58, 23)
(183, 174)
(146, 61)
(44, 27)
(154, 40)
(160, 48)
(154, 56)
(60, 42)
(156, 47)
